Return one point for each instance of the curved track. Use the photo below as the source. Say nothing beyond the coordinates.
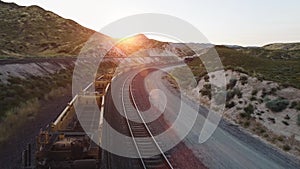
(144, 147)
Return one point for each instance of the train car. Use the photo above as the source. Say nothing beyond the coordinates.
(69, 141)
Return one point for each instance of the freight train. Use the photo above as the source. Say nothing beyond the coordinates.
(65, 143)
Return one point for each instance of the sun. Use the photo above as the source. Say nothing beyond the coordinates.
(128, 41)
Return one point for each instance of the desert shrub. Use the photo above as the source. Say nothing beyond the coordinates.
(298, 119)
(285, 122)
(207, 86)
(277, 105)
(230, 95)
(231, 84)
(246, 124)
(16, 116)
(293, 104)
(266, 99)
(286, 147)
(238, 92)
(259, 76)
(240, 69)
(273, 90)
(206, 92)
(244, 115)
(230, 105)
(247, 112)
(249, 109)
(264, 92)
(252, 98)
(20, 90)
(280, 138)
(244, 79)
(266, 135)
(298, 106)
(254, 92)
(262, 130)
(206, 78)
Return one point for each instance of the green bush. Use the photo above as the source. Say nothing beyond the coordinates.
(298, 119)
(230, 95)
(231, 84)
(249, 109)
(280, 138)
(264, 92)
(254, 92)
(238, 92)
(230, 105)
(286, 147)
(246, 124)
(20, 90)
(277, 105)
(266, 99)
(244, 115)
(253, 98)
(206, 78)
(247, 112)
(207, 86)
(295, 105)
(244, 79)
(206, 92)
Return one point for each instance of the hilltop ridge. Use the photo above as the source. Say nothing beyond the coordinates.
(33, 31)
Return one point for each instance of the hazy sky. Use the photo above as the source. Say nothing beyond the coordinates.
(241, 22)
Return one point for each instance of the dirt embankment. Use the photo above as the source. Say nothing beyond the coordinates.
(263, 108)
(24, 68)
(49, 88)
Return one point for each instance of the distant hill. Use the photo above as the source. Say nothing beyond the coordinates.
(283, 71)
(283, 46)
(33, 31)
(141, 45)
(286, 51)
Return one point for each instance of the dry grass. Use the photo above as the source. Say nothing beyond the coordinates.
(17, 116)
(61, 91)
(285, 143)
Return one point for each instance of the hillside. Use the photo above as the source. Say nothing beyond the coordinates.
(283, 46)
(33, 31)
(140, 45)
(284, 71)
(286, 51)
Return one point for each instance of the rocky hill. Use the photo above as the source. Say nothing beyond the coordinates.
(141, 46)
(33, 31)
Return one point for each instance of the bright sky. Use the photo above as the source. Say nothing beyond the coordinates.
(240, 22)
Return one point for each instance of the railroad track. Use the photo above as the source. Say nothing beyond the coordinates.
(142, 136)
